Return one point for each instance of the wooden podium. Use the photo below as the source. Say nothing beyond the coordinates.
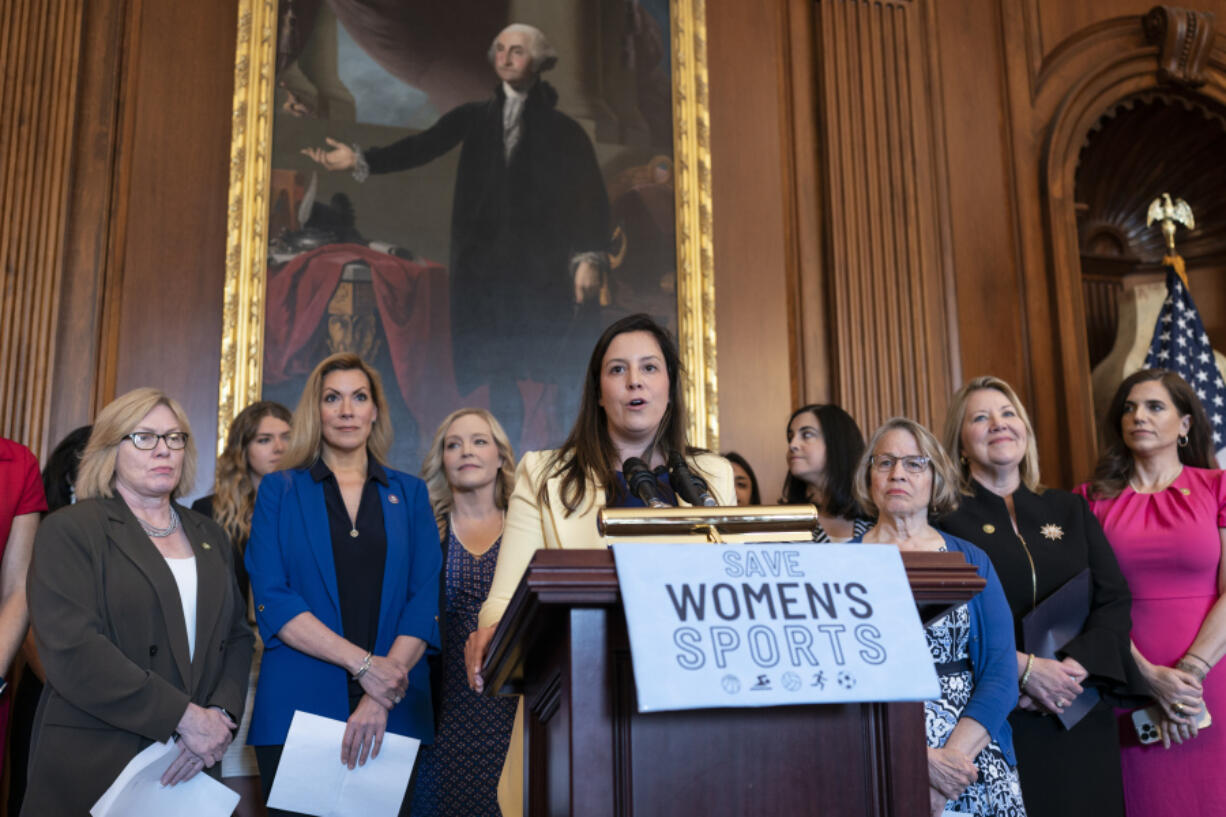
(589, 753)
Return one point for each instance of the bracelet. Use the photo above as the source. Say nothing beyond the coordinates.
(364, 668)
(1190, 668)
(1190, 654)
(1026, 675)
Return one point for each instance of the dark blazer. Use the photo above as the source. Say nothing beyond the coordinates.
(292, 569)
(1063, 538)
(108, 622)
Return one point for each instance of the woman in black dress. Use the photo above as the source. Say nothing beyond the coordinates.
(1039, 539)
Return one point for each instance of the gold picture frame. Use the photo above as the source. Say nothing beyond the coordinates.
(246, 227)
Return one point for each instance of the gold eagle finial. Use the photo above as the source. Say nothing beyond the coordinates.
(1169, 213)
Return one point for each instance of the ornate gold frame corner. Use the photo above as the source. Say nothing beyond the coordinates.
(242, 332)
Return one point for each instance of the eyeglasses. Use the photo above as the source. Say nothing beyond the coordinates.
(914, 464)
(147, 440)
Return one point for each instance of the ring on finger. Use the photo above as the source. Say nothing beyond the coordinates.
(1178, 707)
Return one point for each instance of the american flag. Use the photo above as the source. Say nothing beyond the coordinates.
(1181, 344)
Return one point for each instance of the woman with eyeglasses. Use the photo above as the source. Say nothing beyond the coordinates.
(136, 615)
(1039, 539)
(907, 481)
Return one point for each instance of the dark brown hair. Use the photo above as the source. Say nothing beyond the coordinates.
(588, 453)
(1115, 466)
(844, 448)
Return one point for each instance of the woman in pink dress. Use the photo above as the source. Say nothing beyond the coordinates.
(1164, 511)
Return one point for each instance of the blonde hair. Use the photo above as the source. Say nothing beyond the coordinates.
(956, 416)
(233, 488)
(435, 475)
(306, 434)
(944, 497)
(120, 417)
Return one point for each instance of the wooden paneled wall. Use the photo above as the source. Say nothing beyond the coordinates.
(39, 49)
(143, 229)
(893, 205)
(885, 184)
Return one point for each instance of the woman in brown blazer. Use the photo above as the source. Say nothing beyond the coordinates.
(136, 615)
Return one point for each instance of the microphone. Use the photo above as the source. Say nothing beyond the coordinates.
(642, 482)
(688, 485)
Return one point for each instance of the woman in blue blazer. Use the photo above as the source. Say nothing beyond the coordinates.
(344, 564)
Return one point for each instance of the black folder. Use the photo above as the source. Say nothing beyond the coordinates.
(1056, 621)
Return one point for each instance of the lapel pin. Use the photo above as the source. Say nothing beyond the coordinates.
(989, 528)
(392, 499)
(1185, 491)
(1052, 531)
(207, 546)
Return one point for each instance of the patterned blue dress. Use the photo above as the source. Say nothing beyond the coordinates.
(457, 776)
(997, 792)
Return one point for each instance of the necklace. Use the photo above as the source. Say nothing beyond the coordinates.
(1158, 486)
(161, 533)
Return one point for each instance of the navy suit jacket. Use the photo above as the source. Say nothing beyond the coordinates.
(289, 558)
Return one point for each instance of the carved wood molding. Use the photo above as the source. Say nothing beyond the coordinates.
(887, 256)
(40, 48)
(1184, 39)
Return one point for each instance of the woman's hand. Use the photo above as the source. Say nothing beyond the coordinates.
(363, 732)
(1179, 693)
(936, 802)
(1177, 730)
(1073, 667)
(186, 766)
(206, 733)
(1052, 684)
(385, 681)
(950, 771)
(477, 646)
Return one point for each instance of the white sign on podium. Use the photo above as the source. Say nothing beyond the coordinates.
(767, 625)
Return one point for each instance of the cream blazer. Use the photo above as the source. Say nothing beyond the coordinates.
(530, 526)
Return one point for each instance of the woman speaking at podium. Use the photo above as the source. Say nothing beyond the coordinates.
(632, 406)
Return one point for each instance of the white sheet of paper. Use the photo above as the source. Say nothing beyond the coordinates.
(138, 789)
(312, 780)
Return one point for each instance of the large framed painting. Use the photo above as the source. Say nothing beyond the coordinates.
(466, 194)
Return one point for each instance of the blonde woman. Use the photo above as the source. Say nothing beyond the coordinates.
(344, 565)
(470, 471)
(136, 615)
(1039, 539)
(258, 438)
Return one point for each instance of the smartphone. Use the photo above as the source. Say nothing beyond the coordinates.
(1146, 722)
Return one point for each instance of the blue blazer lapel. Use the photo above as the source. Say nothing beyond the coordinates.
(396, 565)
(318, 533)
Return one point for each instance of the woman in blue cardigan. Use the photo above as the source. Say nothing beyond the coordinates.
(344, 565)
(905, 480)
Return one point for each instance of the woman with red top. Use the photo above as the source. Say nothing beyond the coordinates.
(1164, 512)
(21, 501)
